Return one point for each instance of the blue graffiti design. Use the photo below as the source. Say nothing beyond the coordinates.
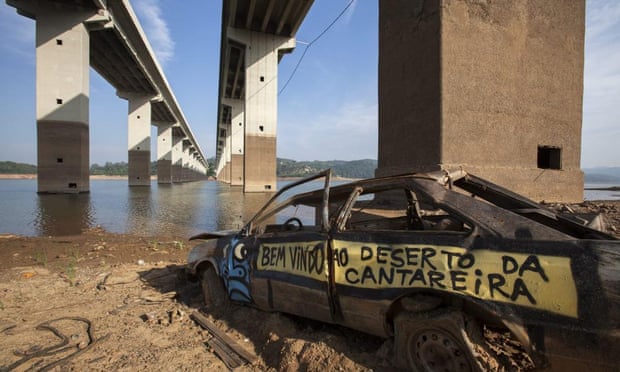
(236, 272)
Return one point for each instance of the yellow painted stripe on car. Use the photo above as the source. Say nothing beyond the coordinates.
(531, 280)
(307, 259)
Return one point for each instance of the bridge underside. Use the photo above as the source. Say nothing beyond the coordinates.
(72, 35)
(255, 36)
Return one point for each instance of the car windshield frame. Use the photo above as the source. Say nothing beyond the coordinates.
(273, 206)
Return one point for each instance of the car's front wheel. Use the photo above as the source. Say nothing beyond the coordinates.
(437, 340)
(213, 290)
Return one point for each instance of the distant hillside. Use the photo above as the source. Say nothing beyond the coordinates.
(9, 167)
(602, 175)
(291, 168)
(349, 169)
(116, 169)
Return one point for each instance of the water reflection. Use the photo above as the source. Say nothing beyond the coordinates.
(179, 210)
(138, 209)
(234, 208)
(63, 214)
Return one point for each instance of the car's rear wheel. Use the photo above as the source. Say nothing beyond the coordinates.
(437, 340)
(213, 290)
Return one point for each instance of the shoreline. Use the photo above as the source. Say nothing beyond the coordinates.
(153, 177)
(34, 177)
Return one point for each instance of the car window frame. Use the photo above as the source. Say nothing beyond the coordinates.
(269, 208)
(345, 212)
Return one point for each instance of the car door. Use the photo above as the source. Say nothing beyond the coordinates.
(281, 265)
(291, 273)
(381, 249)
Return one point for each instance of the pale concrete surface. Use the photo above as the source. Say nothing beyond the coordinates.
(62, 101)
(164, 154)
(139, 140)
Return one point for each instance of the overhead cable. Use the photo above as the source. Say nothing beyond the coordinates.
(312, 42)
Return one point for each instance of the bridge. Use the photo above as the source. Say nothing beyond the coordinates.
(457, 87)
(454, 80)
(255, 36)
(72, 35)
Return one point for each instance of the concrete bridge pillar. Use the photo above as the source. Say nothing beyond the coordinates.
(261, 105)
(225, 140)
(176, 157)
(139, 140)
(219, 168)
(164, 154)
(186, 160)
(494, 87)
(228, 170)
(237, 137)
(62, 99)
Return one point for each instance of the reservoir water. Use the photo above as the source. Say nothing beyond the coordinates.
(180, 209)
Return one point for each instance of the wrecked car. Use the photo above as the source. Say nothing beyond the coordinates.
(432, 260)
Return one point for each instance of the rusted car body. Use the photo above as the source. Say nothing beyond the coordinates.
(428, 259)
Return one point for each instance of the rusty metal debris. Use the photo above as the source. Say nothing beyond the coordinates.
(227, 349)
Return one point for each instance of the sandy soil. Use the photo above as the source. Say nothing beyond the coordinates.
(132, 292)
(121, 303)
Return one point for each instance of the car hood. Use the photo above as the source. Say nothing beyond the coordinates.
(213, 235)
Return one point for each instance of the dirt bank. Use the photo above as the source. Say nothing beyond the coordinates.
(132, 293)
(122, 303)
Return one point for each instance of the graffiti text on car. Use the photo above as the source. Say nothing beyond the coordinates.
(525, 279)
(305, 259)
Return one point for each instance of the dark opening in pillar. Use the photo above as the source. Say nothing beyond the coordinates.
(58, 41)
(72, 185)
(267, 187)
(59, 160)
(549, 157)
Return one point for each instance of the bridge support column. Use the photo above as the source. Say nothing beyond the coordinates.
(186, 160)
(62, 88)
(219, 168)
(237, 134)
(228, 170)
(176, 171)
(164, 154)
(139, 140)
(495, 87)
(261, 106)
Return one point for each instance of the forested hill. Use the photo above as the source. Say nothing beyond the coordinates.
(290, 168)
(286, 168)
(349, 169)
(9, 167)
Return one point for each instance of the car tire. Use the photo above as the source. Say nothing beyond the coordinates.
(213, 291)
(443, 339)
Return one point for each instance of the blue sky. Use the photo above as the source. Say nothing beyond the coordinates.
(329, 109)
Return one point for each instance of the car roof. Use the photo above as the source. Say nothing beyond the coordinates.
(499, 210)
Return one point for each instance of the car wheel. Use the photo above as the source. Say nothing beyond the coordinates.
(213, 290)
(438, 340)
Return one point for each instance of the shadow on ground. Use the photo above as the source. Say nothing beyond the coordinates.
(281, 341)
